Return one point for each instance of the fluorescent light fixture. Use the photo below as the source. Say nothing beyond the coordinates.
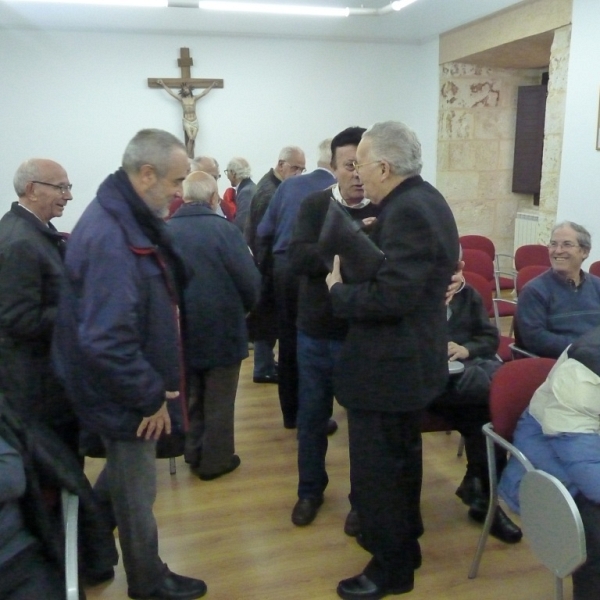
(276, 9)
(400, 4)
(150, 3)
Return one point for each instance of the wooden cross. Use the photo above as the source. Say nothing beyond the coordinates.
(186, 97)
(184, 63)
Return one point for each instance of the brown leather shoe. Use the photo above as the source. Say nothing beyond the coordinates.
(305, 511)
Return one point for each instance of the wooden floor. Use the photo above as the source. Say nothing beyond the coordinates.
(235, 532)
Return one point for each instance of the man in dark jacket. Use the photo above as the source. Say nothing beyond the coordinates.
(394, 359)
(262, 321)
(473, 341)
(117, 346)
(320, 333)
(31, 270)
(224, 286)
(238, 172)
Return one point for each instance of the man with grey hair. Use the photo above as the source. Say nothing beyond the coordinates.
(31, 271)
(223, 288)
(562, 304)
(394, 359)
(238, 172)
(262, 324)
(116, 345)
(275, 231)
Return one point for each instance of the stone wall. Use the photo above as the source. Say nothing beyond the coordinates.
(476, 146)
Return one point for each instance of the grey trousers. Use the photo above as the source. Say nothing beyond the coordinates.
(210, 440)
(126, 489)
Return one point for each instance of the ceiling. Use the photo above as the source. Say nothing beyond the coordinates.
(419, 22)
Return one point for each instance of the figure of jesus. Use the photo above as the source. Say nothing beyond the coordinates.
(190, 120)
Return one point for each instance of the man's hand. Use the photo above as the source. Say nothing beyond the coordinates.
(456, 283)
(160, 421)
(456, 352)
(335, 276)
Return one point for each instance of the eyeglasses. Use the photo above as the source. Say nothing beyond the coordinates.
(64, 189)
(566, 245)
(349, 166)
(356, 166)
(295, 168)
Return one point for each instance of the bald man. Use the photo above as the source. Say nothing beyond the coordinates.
(223, 288)
(31, 271)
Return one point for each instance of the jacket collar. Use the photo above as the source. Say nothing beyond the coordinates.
(192, 210)
(48, 230)
(406, 185)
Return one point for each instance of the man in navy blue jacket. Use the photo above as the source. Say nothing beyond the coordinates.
(117, 346)
(275, 230)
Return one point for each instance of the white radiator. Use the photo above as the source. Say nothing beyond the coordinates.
(526, 229)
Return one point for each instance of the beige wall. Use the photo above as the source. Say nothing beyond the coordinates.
(476, 145)
(524, 20)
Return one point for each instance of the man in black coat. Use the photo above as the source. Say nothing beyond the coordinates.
(223, 288)
(320, 333)
(394, 358)
(31, 271)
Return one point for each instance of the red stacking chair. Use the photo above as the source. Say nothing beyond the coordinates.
(595, 268)
(511, 390)
(480, 242)
(531, 254)
(477, 261)
(480, 284)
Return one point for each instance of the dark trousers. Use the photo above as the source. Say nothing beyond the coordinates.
(386, 472)
(286, 303)
(30, 575)
(209, 443)
(316, 360)
(126, 487)
(586, 580)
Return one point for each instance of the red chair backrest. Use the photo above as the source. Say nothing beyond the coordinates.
(478, 242)
(477, 261)
(478, 283)
(526, 274)
(595, 268)
(511, 390)
(531, 254)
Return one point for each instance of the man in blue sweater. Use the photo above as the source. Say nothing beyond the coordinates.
(275, 230)
(559, 306)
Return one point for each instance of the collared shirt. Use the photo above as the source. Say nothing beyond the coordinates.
(335, 192)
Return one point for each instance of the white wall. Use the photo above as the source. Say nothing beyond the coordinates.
(79, 97)
(579, 191)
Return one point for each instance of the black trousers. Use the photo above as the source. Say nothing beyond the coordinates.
(386, 472)
(586, 580)
(31, 575)
(286, 302)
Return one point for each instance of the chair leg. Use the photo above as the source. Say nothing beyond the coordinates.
(70, 509)
(491, 456)
(558, 588)
(461, 446)
(172, 466)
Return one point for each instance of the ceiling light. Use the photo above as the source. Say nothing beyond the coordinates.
(400, 4)
(276, 9)
(151, 3)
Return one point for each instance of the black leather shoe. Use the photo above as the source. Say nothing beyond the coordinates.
(175, 587)
(305, 511)
(332, 427)
(362, 588)
(502, 527)
(352, 524)
(471, 490)
(266, 379)
(233, 465)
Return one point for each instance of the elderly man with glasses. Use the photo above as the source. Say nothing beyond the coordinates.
(559, 306)
(394, 358)
(31, 271)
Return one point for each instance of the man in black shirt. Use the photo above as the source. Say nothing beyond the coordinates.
(320, 334)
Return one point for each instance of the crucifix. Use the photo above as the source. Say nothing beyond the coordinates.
(186, 97)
